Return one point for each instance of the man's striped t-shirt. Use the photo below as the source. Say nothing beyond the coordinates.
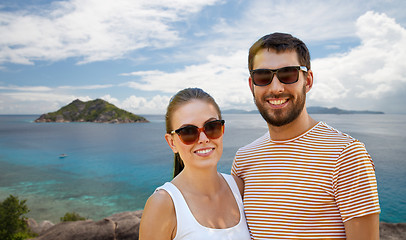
(306, 187)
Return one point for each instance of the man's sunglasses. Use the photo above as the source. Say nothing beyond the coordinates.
(190, 134)
(286, 75)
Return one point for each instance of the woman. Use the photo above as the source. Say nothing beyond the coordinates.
(199, 203)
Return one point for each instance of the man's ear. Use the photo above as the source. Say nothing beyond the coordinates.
(251, 84)
(171, 142)
(309, 80)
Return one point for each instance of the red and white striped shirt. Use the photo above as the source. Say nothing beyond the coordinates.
(306, 187)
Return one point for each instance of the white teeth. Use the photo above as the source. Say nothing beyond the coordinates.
(277, 102)
(204, 151)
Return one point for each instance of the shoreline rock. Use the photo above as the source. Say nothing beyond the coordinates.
(392, 231)
(120, 226)
(125, 226)
(39, 228)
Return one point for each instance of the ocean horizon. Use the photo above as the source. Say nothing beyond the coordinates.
(112, 168)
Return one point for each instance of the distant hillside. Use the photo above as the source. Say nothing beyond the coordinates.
(98, 111)
(239, 111)
(334, 110)
(310, 110)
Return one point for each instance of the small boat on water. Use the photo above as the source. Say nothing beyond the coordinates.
(63, 155)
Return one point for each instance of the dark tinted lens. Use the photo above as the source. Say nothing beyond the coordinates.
(288, 75)
(262, 77)
(188, 134)
(213, 129)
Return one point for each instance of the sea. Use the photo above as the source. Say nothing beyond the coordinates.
(98, 169)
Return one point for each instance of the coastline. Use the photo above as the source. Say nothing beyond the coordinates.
(90, 183)
(49, 216)
(129, 226)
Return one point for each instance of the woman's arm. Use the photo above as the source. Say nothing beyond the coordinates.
(158, 220)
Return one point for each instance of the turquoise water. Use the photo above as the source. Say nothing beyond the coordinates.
(112, 168)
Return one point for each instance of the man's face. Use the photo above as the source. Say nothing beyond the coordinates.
(279, 103)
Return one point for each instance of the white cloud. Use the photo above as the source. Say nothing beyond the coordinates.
(143, 73)
(140, 105)
(315, 21)
(110, 99)
(224, 77)
(311, 20)
(368, 73)
(26, 88)
(371, 71)
(91, 30)
(134, 102)
(363, 77)
(35, 102)
(156, 104)
(86, 87)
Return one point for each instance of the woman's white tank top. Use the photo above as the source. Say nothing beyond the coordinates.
(189, 228)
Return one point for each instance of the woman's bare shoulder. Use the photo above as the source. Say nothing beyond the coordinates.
(160, 204)
(159, 217)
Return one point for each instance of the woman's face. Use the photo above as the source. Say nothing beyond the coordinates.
(205, 152)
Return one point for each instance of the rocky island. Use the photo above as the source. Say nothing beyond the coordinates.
(97, 111)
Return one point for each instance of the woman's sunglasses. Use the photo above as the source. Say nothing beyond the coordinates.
(190, 134)
(286, 75)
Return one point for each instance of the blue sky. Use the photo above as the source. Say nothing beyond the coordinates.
(137, 54)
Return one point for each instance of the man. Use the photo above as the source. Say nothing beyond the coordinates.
(303, 179)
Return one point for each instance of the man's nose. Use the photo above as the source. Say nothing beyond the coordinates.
(276, 86)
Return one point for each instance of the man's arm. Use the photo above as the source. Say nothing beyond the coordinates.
(240, 184)
(363, 228)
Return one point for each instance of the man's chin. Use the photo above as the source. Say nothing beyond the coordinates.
(279, 117)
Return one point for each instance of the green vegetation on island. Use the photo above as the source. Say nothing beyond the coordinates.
(98, 111)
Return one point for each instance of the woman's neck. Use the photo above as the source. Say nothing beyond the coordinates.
(206, 182)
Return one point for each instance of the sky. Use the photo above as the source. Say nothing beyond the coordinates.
(137, 54)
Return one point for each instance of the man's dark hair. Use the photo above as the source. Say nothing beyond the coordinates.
(280, 42)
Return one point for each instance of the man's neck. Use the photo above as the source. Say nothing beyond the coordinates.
(293, 129)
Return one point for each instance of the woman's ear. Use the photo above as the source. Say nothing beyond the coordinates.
(171, 142)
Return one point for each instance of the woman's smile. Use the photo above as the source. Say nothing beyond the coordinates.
(204, 152)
